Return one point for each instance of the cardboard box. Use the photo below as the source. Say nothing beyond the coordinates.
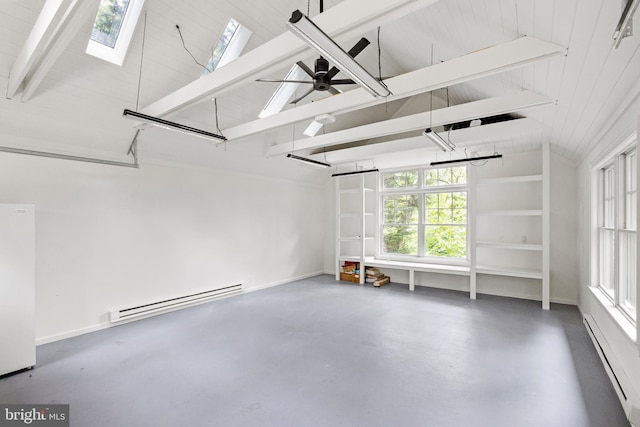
(355, 278)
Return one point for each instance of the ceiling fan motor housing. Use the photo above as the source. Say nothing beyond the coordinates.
(320, 80)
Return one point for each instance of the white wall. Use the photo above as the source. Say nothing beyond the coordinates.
(564, 231)
(330, 235)
(110, 238)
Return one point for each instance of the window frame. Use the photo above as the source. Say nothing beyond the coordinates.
(117, 54)
(421, 191)
(232, 50)
(614, 215)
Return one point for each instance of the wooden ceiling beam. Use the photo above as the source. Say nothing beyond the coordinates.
(493, 60)
(493, 132)
(471, 110)
(345, 21)
(57, 24)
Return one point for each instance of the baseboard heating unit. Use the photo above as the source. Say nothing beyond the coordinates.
(165, 306)
(619, 379)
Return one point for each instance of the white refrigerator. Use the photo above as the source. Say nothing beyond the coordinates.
(17, 288)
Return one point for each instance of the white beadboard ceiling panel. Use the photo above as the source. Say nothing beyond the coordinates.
(78, 106)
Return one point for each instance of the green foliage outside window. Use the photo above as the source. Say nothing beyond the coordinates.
(443, 216)
(446, 241)
(106, 27)
(445, 176)
(404, 179)
(401, 216)
(401, 240)
(223, 43)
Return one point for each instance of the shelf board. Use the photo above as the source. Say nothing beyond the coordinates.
(349, 215)
(510, 246)
(354, 238)
(526, 273)
(511, 179)
(515, 212)
(354, 258)
(349, 191)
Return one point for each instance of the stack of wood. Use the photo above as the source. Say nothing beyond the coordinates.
(373, 275)
(350, 272)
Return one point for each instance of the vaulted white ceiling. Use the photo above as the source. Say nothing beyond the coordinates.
(548, 63)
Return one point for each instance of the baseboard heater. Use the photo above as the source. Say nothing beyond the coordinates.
(165, 306)
(618, 378)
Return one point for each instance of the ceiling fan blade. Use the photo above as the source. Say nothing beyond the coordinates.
(342, 82)
(333, 90)
(306, 69)
(295, 101)
(353, 52)
(283, 81)
(359, 47)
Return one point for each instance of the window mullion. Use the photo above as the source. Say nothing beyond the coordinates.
(618, 207)
(421, 214)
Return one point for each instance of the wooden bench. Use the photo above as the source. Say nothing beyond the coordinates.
(412, 267)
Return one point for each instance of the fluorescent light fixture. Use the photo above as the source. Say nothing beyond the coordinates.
(317, 124)
(166, 124)
(304, 28)
(624, 22)
(467, 159)
(284, 92)
(355, 172)
(438, 140)
(309, 161)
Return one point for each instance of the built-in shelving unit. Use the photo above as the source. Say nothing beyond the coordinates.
(511, 225)
(356, 226)
(508, 234)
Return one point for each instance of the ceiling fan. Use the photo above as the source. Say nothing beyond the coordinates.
(322, 76)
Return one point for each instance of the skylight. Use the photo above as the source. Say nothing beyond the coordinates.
(113, 29)
(229, 47)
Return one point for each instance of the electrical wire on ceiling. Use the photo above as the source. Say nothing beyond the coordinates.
(386, 101)
(215, 106)
(468, 156)
(379, 57)
(189, 52)
(215, 100)
(450, 127)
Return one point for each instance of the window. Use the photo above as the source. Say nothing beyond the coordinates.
(231, 44)
(424, 213)
(113, 29)
(617, 229)
(108, 23)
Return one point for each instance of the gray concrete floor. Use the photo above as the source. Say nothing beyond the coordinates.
(323, 353)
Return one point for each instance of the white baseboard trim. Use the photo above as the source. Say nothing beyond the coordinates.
(282, 282)
(73, 333)
(97, 327)
(499, 294)
(619, 380)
